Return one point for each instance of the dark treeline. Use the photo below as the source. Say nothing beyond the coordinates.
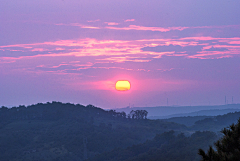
(64, 131)
(227, 148)
(58, 110)
(164, 147)
(55, 131)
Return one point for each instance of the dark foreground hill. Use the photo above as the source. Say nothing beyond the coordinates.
(164, 147)
(55, 131)
(60, 132)
(170, 146)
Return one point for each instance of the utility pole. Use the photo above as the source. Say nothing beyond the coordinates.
(225, 100)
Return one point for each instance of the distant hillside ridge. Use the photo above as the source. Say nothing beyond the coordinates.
(187, 121)
(203, 123)
(172, 110)
(216, 123)
(214, 112)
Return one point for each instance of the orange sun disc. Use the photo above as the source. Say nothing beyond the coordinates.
(122, 85)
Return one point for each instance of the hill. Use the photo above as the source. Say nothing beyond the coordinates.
(163, 112)
(56, 131)
(169, 146)
(210, 123)
(216, 123)
(164, 147)
(63, 131)
(213, 112)
(188, 121)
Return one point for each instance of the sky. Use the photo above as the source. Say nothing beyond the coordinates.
(172, 52)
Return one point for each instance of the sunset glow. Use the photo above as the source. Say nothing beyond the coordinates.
(123, 85)
(75, 51)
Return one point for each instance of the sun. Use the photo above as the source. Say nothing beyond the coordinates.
(122, 85)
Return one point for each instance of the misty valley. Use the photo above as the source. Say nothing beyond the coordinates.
(63, 131)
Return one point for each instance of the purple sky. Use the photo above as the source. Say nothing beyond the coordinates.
(75, 50)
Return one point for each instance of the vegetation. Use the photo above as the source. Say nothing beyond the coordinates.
(227, 148)
(167, 146)
(216, 123)
(63, 131)
(55, 131)
(187, 120)
(203, 123)
(138, 114)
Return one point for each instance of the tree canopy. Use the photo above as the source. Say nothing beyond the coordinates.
(227, 148)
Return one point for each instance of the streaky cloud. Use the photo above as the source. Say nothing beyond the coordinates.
(216, 49)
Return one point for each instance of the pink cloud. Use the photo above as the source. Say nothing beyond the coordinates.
(130, 27)
(78, 25)
(72, 52)
(84, 26)
(39, 49)
(112, 23)
(212, 55)
(223, 26)
(234, 42)
(143, 28)
(129, 20)
(7, 60)
(93, 20)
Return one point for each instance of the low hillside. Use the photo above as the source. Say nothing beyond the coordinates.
(164, 147)
(188, 121)
(209, 123)
(56, 131)
(213, 112)
(162, 112)
(63, 131)
(216, 123)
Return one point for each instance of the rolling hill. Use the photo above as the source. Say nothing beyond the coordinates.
(63, 131)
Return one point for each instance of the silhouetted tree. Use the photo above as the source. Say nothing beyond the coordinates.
(123, 114)
(145, 113)
(227, 148)
(138, 114)
(3, 108)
